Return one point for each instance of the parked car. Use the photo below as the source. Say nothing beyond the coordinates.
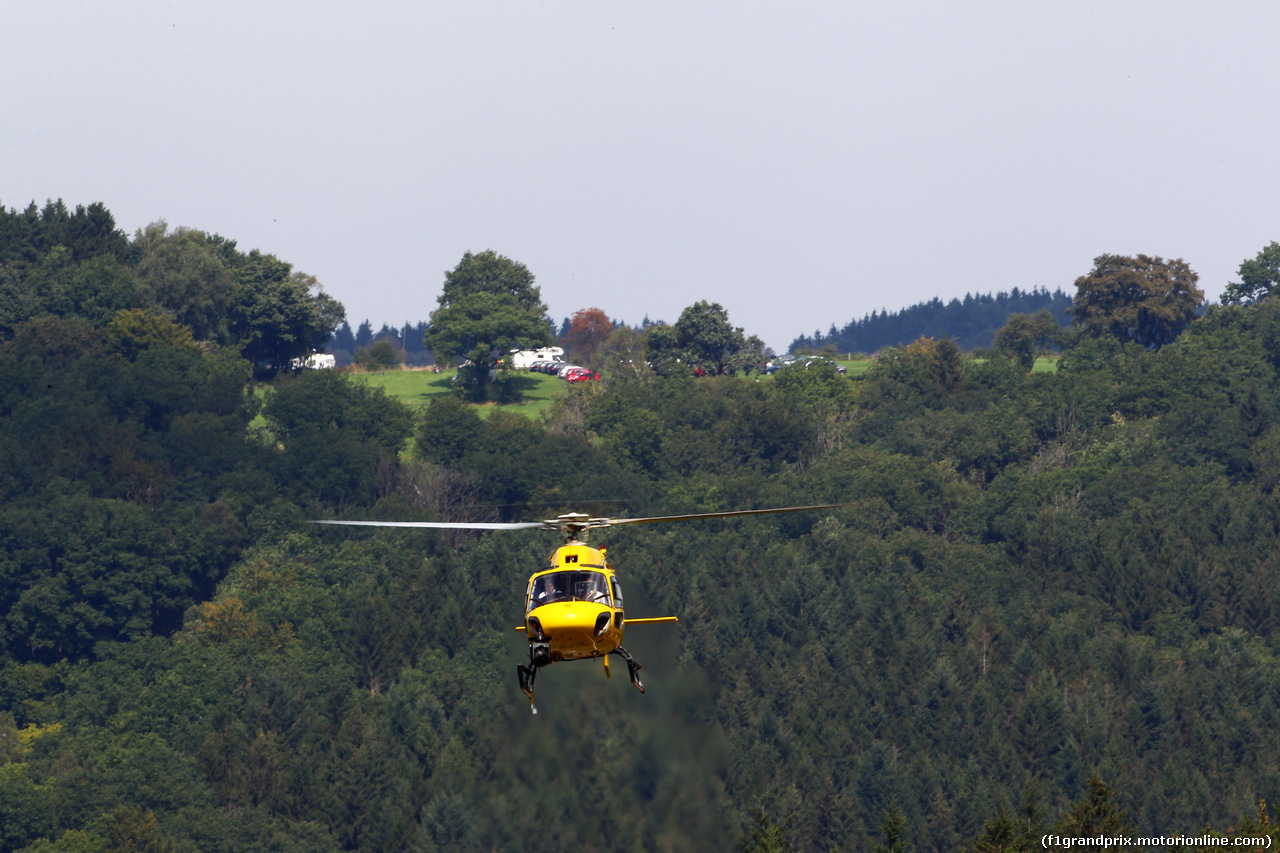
(775, 364)
(581, 374)
(804, 361)
(818, 359)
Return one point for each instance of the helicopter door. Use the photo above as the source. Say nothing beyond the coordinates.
(617, 602)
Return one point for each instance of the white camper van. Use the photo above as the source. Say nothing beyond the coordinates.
(521, 359)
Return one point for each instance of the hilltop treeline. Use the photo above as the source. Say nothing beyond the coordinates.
(1047, 604)
(971, 322)
(406, 342)
(55, 262)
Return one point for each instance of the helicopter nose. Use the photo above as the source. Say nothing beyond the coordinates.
(566, 620)
(562, 618)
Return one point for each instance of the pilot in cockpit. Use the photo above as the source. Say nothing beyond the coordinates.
(546, 590)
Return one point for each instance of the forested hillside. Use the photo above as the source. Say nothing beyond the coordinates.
(56, 262)
(971, 322)
(1036, 580)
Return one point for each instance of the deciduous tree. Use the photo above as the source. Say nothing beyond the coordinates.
(588, 329)
(489, 306)
(1024, 336)
(131, 332)
(489, 272)
(704, 338)
(254, 301)
(281, 318)
(181, 274)
(1258, 277)
(622, 356)
(1143, 299)
(335, 434)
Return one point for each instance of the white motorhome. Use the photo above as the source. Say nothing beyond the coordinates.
(522, 358)
(315, 361)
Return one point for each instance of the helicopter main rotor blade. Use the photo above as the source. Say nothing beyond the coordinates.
(606, 522)
(447, 525)
(572, 524)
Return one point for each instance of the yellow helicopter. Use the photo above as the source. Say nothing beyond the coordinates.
(574, 608)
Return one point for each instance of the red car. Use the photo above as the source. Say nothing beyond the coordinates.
(581, 374)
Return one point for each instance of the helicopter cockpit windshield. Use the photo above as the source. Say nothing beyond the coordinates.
(569, 586)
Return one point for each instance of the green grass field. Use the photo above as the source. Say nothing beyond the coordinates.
(857, 367)
(418, 387)
(1046, 365)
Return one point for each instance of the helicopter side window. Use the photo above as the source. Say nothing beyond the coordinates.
(617, 593)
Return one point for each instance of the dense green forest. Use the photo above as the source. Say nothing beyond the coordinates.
(971, 322)
(56, 262)
(1049, 600)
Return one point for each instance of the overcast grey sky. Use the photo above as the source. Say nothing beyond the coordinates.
(801, 163)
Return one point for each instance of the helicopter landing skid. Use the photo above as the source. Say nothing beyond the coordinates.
(527, 674)
(632, 667)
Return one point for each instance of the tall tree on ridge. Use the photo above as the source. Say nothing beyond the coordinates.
(489, 305)
(1143, 299)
